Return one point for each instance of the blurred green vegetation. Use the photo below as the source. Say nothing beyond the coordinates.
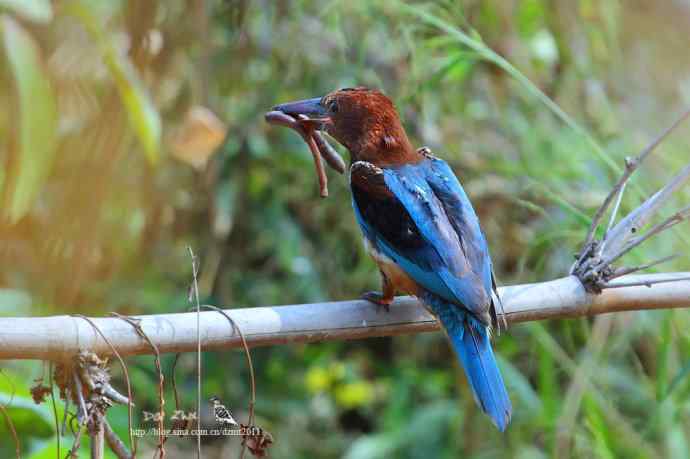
(130, 130)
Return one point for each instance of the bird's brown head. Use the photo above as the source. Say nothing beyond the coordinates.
(364, 120)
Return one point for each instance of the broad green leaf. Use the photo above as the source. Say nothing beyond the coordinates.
(33, 10)
(32, 422)
(29, 419)
(37, 118)
(143, 116)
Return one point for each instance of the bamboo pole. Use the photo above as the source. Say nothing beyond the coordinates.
(59, 337)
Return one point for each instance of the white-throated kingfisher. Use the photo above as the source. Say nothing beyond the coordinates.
(420, 228)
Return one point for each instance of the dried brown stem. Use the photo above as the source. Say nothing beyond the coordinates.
(8, 420)
(614, 212)
(250, 365)
(81, 403)
(161, 380)
(656, 229)
(645, 283)
(126, 374)
(97, 438)
(116, 445)
(619, 272)
(75, 446)
(12, 429)
(65, 411)
(54, 405)
(631, 164)
(174, 382)
(195, 290)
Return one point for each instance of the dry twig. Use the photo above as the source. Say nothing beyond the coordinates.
(53, 403)
(13, 430)
(161, 380)
(594, 262)
(116, 445)
(195, 291)
(129, 402)
(250, 365)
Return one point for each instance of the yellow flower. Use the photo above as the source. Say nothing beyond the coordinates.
(317, 379)
(352, 395)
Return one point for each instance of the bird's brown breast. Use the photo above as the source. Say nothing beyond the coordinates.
(394, 273)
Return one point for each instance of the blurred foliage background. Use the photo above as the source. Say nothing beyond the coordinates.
(132, 129)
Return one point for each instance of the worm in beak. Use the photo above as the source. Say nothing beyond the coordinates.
(307, 118)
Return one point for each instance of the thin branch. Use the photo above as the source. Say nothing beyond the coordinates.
(195, 287)
(625, 271)
(116, 445)
(82, 413)
(174, 382)
(76, 445)
(13, 431)
(8, 419)
(631, 164)
(113, 350)
(647, 284)
(58, 337)
(671, 221)
(13, 390)
(161, 380)
(639, 217)
(65, 410)
(54, 404)
(250, 366)
(97, 439)
(616, 207)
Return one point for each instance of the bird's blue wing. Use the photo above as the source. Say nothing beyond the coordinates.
(419, 216)
(462, 217)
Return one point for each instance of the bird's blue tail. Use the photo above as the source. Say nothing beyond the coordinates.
(470, 340)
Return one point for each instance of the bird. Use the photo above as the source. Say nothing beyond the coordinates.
(221, 413)
(420, 228)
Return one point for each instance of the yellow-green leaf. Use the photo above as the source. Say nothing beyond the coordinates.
(33, 10)
(143, 116)
(37, 118)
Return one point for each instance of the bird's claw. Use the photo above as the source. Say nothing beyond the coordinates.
(379, 300)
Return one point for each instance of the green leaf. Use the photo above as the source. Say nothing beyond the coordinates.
(40, 11)
(32, 422)
(143, 116)
(48, 449)
(28, 418)
(37, 118)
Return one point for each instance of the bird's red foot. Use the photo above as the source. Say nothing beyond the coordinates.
(379, 300)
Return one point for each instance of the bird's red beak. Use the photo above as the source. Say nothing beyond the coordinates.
(306, 110)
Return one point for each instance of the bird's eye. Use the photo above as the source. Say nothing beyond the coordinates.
(333, 106)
